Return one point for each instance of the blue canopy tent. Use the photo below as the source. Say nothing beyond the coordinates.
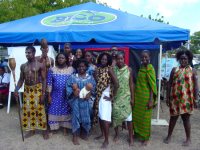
(88, 22)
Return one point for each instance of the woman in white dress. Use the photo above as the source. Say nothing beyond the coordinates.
(106, 88)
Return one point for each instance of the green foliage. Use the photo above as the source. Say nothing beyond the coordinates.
(195, 43)
(158, 18)
(16, 9)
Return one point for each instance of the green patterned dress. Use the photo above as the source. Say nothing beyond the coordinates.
(146, 81)
(121, 105)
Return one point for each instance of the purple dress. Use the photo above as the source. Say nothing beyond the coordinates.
(59, 112)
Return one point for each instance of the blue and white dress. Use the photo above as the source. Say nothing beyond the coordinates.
(59, 111)
(80, 107)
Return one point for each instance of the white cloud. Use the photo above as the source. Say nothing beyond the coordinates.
(135, 2)
(167, 8)
(195, 27)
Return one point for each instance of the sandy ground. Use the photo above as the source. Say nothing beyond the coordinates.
(10, 136)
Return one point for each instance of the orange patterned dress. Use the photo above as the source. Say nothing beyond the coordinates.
(182, 92)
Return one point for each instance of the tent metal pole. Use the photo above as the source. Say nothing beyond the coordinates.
(59, 48)
(159, 121)
(159, 81)
(188, 44)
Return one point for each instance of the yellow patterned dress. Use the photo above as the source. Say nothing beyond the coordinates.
(103, 81)
(33, 113)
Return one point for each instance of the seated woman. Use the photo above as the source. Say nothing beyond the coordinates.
(4, 85)
(80, 106)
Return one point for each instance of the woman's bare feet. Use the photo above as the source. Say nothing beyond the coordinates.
(116, 138)
(30, 134)
(167, 140)
(131, 143)
(186, 143)
(84, 137)
(104, 145)
(64, 131)
(75, 140)
(45, 135)
(145, 142)
(54, 131)
(99, 137)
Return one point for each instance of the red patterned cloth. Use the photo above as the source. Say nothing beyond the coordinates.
(182, 92)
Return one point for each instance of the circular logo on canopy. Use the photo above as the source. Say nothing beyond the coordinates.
(84, 17)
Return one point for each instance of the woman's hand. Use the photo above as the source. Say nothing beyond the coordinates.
(150, 104)
(88, 96)
(16, 94)
(107, 98)
(49, 99)
(76, 92)
(132, 102)
(41, 102)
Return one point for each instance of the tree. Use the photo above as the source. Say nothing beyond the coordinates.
(16, 9)
(195, 42)
(158, 18)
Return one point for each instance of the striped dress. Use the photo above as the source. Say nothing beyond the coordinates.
(145, 83)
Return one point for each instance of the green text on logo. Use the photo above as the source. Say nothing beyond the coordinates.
(84, 17)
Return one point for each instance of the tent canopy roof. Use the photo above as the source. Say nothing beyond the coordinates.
(86, 22)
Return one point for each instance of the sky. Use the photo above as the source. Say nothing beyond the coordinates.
(180, 13)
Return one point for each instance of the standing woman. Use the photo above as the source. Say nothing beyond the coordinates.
(106, 83)
(91, 69)
(79, 54)
(145, 93)
(90, 59)
(182, 93)
(80, 105)
(59, 112)
(124, 99)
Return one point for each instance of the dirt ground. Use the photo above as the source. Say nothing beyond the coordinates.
(10, 136)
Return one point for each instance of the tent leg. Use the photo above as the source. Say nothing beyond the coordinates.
(9, 100)
(188, 44)
(158, 121)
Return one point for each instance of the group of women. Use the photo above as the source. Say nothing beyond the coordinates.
(111, 96)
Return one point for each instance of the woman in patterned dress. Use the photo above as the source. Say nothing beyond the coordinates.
(59, 111)
(106, 83)
(124, 99)
(182, 93)
(81, 121)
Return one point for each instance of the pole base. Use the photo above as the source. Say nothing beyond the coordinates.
(159, 122)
